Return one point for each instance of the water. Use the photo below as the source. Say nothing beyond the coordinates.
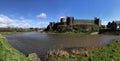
(40, 43)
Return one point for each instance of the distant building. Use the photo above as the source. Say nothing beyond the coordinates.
(71, 21)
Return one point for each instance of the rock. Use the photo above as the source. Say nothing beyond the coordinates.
(35, 56)
(94, 33)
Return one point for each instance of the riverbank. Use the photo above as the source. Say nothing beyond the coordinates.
(112, 33)
(110, 52)
(3, 33)
(109, 32)
(8, 53)
(78, 33)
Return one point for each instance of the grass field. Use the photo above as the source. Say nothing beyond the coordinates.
(8, 53)
(110, 52)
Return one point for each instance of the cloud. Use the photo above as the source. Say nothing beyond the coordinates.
(42, 24)
(42, 16)
(22, 17)
(105, 22)
(62, 17)
(21, 22)
(5, 19)
(25, 25)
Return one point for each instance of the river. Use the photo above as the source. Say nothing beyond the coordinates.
(39, 43)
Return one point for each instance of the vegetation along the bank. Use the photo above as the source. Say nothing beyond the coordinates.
(15, 29)
(110, 52)
(8, 53)
(74, 29)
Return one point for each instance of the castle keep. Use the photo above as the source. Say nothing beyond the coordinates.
(71, 21)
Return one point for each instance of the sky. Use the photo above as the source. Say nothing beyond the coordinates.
(38, 13)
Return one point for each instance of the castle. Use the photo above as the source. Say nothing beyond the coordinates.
(71, 21)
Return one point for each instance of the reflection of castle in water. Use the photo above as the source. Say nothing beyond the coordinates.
(71, 21)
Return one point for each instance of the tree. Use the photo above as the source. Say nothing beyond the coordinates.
(109, 25)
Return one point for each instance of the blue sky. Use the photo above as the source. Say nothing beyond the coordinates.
(38, 13)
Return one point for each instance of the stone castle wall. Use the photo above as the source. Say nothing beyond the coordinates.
(71, 21)
(77, 22)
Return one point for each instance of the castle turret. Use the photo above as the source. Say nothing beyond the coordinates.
(97, 21)
(50, 26)
(63, 21)
(70, 20)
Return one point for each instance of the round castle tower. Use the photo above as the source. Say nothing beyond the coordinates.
(63, 21)
(69, 20)
(97, 21)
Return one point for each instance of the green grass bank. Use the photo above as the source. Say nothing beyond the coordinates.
(8, 53)
(9, 32)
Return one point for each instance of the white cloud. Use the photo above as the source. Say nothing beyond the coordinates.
(105, 22)
(61, 17)
(42, 15)
(22, 17)
(42, 24)
(5, 20)
(3, 25)
(21, 22)
(25, 25)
